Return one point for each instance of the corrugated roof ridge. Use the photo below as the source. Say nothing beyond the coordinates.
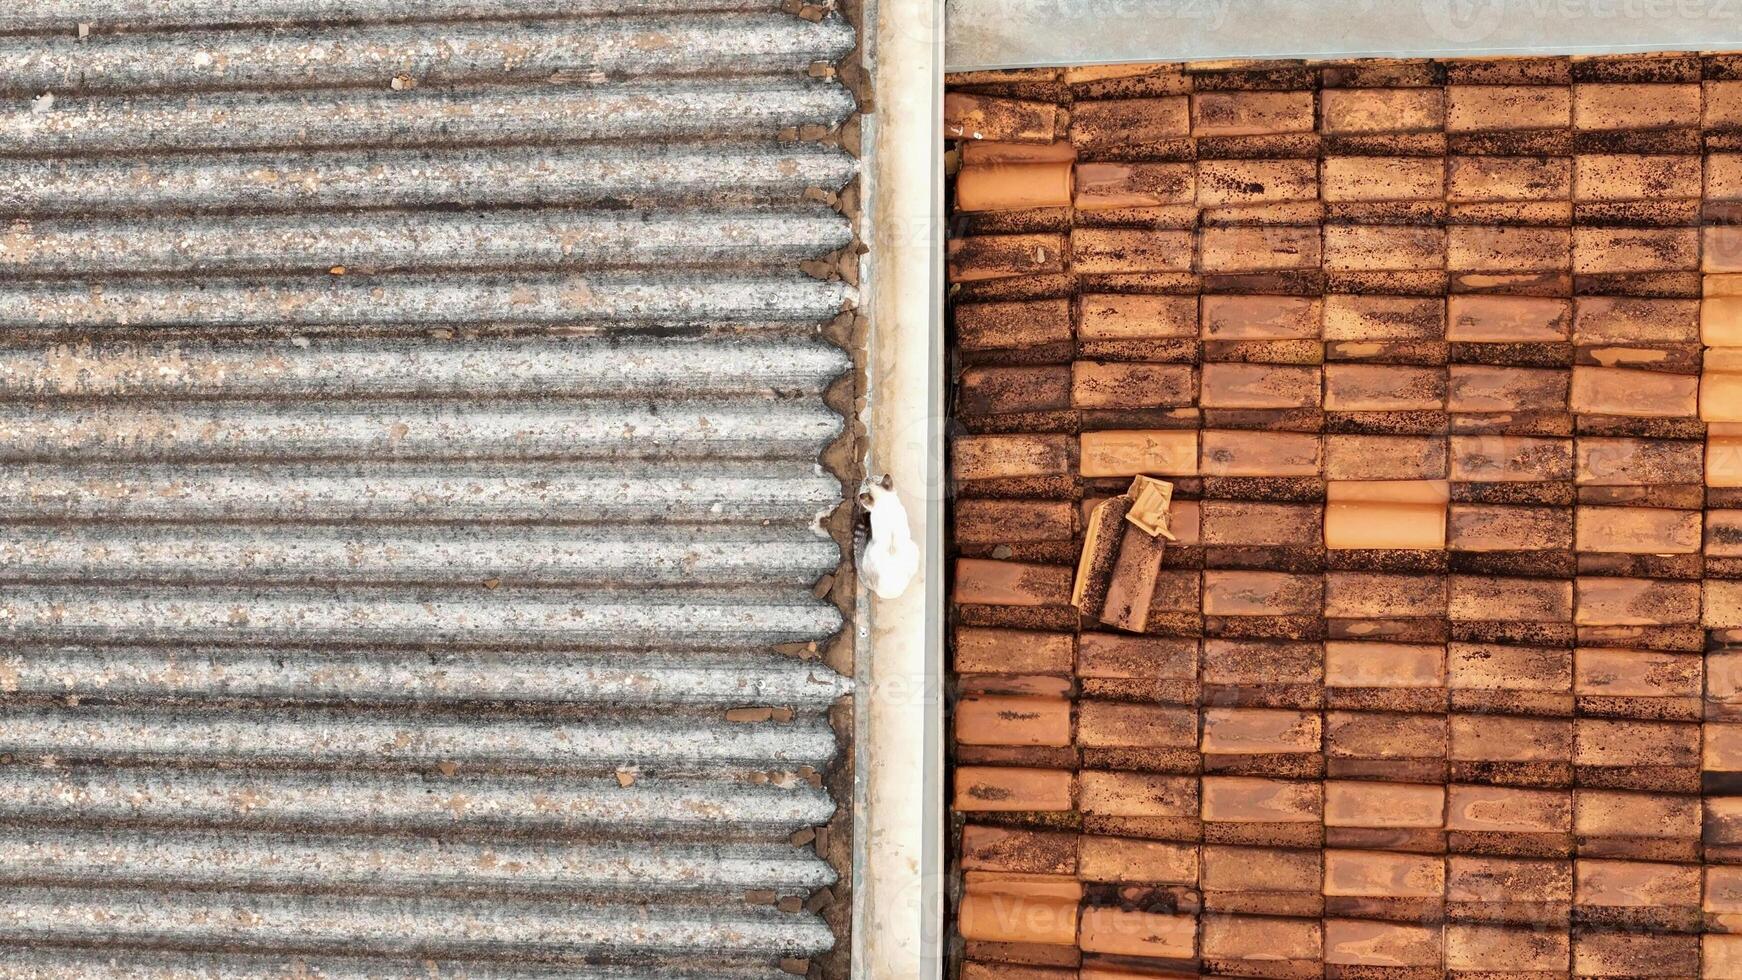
(411, 55)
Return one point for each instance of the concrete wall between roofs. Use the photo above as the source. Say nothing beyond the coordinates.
(1030, 33)
(898, 879)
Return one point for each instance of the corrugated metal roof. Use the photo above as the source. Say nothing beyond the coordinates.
(410, 418)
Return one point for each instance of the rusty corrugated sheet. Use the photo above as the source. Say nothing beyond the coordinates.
(410, 416)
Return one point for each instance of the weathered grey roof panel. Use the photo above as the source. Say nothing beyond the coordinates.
(397, 241)
(491, 115)
(634, 678)
(729, 491)
(66, 15)
(393, 925)
(49, 964)
(284, 180)
(410, 422)
(397, 367)
(431, 53)
(515, 804)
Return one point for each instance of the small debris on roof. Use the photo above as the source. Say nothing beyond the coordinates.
(820, 899)
(823, 586)
(1121, 555)
(569, 76)
(1150, 499)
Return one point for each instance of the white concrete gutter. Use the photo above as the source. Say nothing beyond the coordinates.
(898, 862)
(1035, 33)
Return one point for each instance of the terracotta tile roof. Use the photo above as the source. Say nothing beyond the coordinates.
(1444, 361)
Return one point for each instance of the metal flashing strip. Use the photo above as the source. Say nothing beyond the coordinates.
(899, 871)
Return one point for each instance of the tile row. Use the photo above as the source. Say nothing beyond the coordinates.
(1010, 178)
(1457, 108)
